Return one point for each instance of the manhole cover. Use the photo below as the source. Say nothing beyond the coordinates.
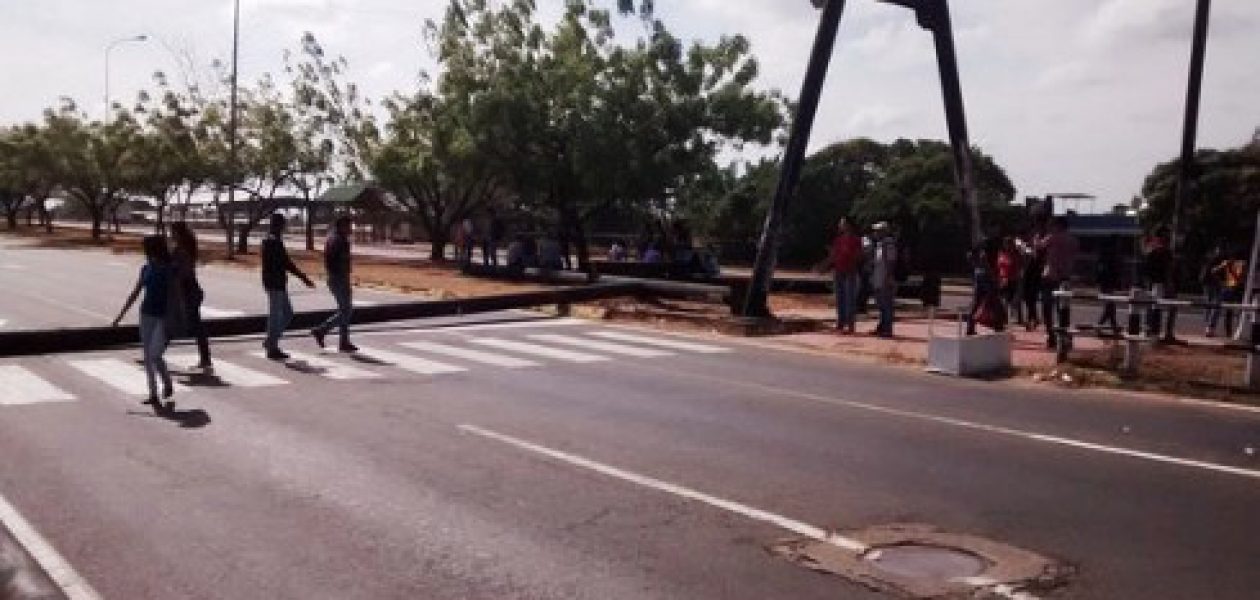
(916, 561)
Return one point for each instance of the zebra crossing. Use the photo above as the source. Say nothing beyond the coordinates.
(26, 384)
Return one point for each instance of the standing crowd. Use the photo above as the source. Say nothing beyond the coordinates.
(171, 297)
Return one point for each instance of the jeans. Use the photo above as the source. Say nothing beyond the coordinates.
(279, 313)
(884, 296)
(153, 339)
(342, 293)
(846, 299)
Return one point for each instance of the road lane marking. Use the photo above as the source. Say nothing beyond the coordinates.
(58, 569)
(13, 267)
(652, 341)
(602, 346)
(539, 350)
(363, 303)
(218, 313)
(326, 368)
(3, 322)
(792, 525)
(974, 426)
(411, 363)
(229, 373)
(21, 386)
(787, 523)
(118, 374)
(489, 358)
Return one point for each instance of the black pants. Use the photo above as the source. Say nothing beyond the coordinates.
(197, 330)
(1109, 317)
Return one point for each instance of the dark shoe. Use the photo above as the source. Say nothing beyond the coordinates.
(276, 354)
(205, 365)
(319, 337)
(347, 347)
(153, 401)
(168, 391)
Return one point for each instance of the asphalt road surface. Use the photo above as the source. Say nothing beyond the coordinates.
(510, 456)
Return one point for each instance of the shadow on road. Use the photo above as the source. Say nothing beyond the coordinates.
(187, 419)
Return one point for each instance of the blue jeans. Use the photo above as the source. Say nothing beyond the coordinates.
(153, 339)
(846, 299)
(342, 293)
(884, 297)
(279, 314)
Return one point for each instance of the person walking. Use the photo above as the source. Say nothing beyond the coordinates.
(156, 281)
(1010, 265)
(846, 258)
(184, 259)
(276, 266)
(1060, 248)
(495, 232)
(1232, 272)
(1156, 270)
(1210, 277)
(1034, 267)
(1108, 279)
(337, 268)
(883, 277)
(985, 303)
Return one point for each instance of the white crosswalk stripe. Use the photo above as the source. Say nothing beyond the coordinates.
(229, 373)
(540, 350)
(498, 360)
(408, 362)
(21, 386)
(326, 368)
(209, 312)
(121, 375)
(600, 345)
(660, 342)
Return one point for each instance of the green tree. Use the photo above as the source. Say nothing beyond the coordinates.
(1222, 205)
(91, 158)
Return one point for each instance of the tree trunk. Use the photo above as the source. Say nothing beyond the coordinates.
(98, 217)
(12, 217)
(45, 215)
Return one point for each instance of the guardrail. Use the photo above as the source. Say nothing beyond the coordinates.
(1143, 311)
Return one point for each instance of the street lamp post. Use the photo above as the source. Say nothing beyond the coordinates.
(229, 222)
(108, 50)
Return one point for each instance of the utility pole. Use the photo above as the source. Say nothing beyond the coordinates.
(756, 302)
(229, 224)
(1187, 169)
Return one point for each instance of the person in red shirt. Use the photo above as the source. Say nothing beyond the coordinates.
(1010, 273)
(846, 258)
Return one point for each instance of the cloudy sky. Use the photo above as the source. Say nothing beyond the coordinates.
(1069, 95)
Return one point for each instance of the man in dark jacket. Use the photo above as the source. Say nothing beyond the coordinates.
(337, 267)
(276, 266)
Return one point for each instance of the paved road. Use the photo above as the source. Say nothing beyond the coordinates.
(388, 474)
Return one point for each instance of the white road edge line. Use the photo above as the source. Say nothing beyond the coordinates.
(62, 574)
(792, 525)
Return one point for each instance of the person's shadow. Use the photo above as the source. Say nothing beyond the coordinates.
(187, 419)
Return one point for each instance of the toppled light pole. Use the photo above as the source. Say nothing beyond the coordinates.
(932, 15)
(756, 302)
